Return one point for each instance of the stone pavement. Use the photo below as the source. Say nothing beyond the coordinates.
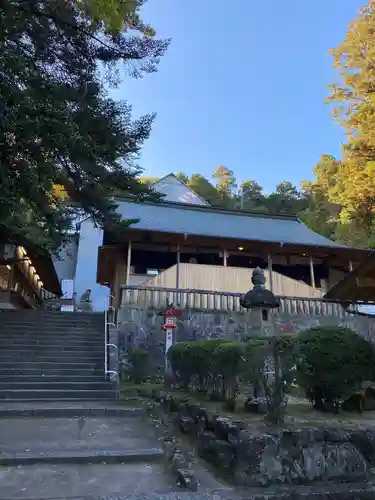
(74, 453)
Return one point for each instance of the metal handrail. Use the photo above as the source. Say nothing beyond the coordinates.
(107, 345)
(107, 307)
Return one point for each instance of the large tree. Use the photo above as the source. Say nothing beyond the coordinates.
(225, 185)
(354, 106)
(58, 125)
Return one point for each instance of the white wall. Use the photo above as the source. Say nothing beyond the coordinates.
(90, 239)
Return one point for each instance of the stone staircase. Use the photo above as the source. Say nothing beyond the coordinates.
(47, 355)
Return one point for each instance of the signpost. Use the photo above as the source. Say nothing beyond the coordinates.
(169, 326)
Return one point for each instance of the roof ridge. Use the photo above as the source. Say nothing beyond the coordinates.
(210, 208)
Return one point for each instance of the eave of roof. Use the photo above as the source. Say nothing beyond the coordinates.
(349, 289)
(211, 222)
(40, 258)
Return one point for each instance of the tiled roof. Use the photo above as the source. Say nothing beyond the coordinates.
(202, 221)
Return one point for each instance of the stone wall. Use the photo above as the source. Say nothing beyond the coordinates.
(142, 326)
(265, 456)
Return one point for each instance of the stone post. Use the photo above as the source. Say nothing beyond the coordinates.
(257, 300)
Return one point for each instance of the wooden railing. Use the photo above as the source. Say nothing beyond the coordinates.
(222, 278)
(211, 300)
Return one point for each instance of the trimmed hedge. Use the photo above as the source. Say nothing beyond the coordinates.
(139, 365)
(207, 365)
(333, 363)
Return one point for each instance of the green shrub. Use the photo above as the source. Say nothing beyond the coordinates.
(196, 366)
(228, 363)
(333, 362)
(139, 365)
(178, 356)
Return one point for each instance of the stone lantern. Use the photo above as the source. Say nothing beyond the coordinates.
(259, 299)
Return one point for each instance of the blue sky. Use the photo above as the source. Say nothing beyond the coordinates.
(241, 87)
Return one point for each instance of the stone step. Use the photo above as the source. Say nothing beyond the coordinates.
(68, 377)
(51, 318)
(49, 365)
(42, 325)
(43, 362)
(51, 370)
(46, 394)
(77, 439)
(68, 409)
(50, 329)
(87, 457)
(89, 482)
(36, 353)
(12, 313)
(64, 385)
(48, 343)
(66, 339)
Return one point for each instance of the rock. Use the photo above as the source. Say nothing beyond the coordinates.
(355, 402)
(301, 457)
(336, 436)
(225, 427)
(364, 441)
(169, 449)
(156, 395)
(219, 452)
(179, 461)
(206, 440)
(196, 412)
(223, 454)
(256, 405)
(186, 479)
(167, 402)
(186, 424)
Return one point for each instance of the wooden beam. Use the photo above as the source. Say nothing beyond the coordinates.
(178, 267)
(312, 274)
(128, 262)
(270, 271)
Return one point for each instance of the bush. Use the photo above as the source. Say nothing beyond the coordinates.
(333, 363)
(269, 368)
(139, 365)
(203, 365)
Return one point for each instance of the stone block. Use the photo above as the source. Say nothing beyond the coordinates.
(300, 457)
(186, 479)
(227, 429)
(256, 405)
(186, 424)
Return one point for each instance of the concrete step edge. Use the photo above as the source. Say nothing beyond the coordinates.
(121, 411)
(76, 456)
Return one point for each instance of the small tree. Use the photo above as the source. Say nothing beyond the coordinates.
(139, 365)
(270, 369)
(228, 362)
(334, 362)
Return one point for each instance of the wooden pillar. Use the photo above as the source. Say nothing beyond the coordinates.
(350, 270)
(312, 275)
(118, 280)
(178, 267)
(128, 262)
(270, 272)
(225, 257)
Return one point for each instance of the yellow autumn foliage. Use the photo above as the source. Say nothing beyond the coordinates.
(350, 183)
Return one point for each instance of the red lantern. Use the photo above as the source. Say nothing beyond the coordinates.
(170, 319)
